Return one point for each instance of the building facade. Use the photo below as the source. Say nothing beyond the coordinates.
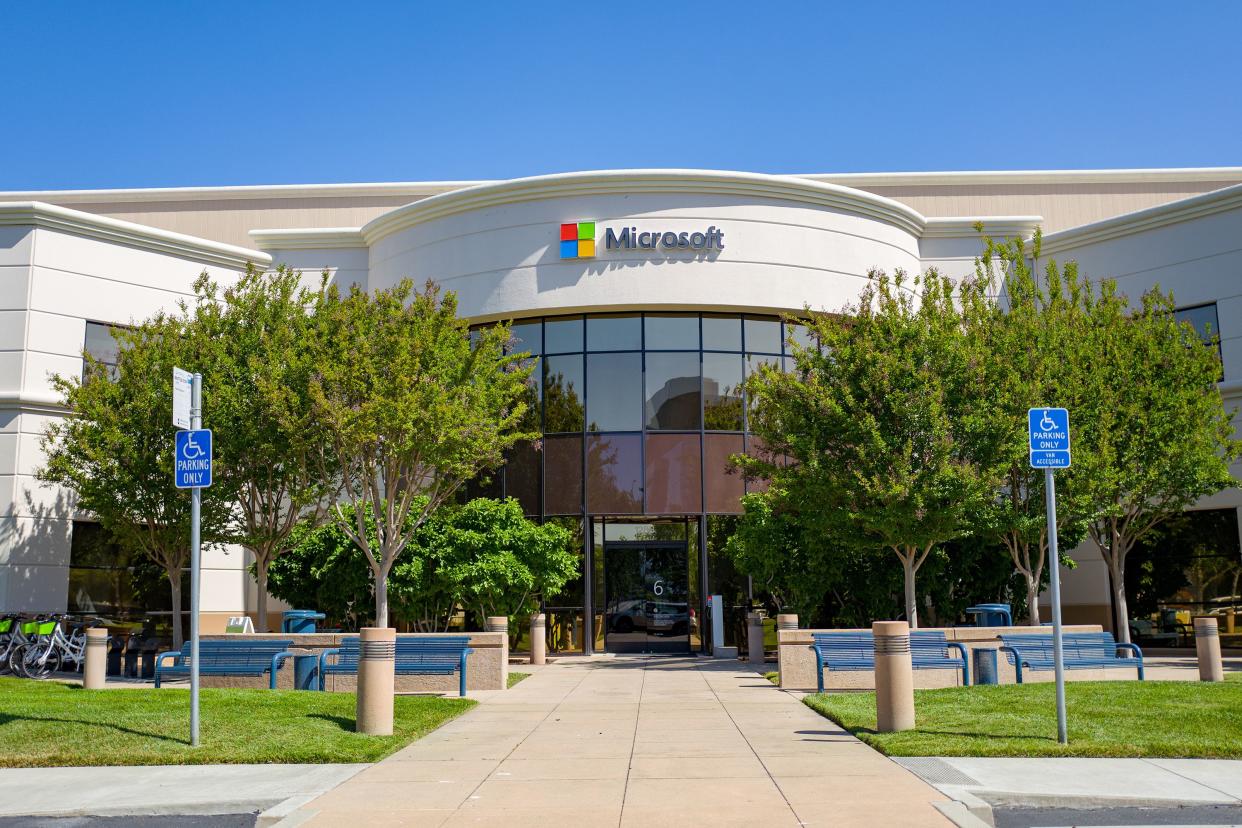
(649, 296)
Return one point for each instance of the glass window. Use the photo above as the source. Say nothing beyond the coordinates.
(722, 333)
(674, 474)
(531, 420)
(672, 391)
(486, 484)
(522, 477)
(614, 392)
(562, 479)
(763, 335)
(671, 333)
(722, 392)
(614, 333)
(562, 336)
(563, 398)
(755, 447)
(1202, 318)
(723, 484)
(614, 474)
(526, 336)
(102, 346)
(798, 334)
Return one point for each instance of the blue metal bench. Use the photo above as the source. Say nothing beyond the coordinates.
(251, 657)
(843, 651)
(431, 656)
(1082, 651)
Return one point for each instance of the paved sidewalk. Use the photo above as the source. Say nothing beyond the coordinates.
(162, 789)
(1083, 783)
(634, 742)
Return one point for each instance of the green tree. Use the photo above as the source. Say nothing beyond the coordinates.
(409, 410)
(253, 339)
(115, 450)
(1151, 435)
(877, 423)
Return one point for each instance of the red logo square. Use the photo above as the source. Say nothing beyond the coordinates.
(569, 232)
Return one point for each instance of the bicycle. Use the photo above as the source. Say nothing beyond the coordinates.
(46, 655)
(22, 631)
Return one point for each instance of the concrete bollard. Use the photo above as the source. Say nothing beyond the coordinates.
(500, 624)
(787, 621)
(894, 676)
(1230, 621)
(1207, 645)
(754, 637)
(95, 672)
(376, 680)
(538, 638)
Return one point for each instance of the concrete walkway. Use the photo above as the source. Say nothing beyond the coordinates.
(634, 742)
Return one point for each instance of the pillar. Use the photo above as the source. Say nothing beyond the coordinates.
(500, 624)
(754, 637)
(787, 621)
(94, 673)
(538, 638)
(894, 676)
(1207, 645)
(376, 680)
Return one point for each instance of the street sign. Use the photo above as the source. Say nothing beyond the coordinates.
(193, 459)
(182, 380)
(1050, 439)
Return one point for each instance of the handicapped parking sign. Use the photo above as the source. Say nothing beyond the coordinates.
(1050, 440)
(193, 459)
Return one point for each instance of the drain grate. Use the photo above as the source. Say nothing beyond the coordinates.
(936, 771)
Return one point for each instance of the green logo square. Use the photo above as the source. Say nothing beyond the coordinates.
(586, 230)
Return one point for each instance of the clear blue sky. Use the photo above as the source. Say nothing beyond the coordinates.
(180, 94)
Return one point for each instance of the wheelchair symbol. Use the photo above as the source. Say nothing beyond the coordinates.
(1046, 423)
(192, 450)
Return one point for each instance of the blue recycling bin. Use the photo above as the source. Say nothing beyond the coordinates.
(301, 621)
(991, 615)
(985, 666)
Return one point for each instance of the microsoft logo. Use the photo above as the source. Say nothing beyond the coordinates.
(578, 240)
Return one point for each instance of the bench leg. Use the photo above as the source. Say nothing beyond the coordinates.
(461, 689)
(1140, 669)
(1017, 669)
(157, 678)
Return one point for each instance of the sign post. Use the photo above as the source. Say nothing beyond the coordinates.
(193, 472)
(1050, 449)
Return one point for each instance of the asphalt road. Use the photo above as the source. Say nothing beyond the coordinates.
(1057, 817)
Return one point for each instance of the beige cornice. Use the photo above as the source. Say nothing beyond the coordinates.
(1151, 218)
(975, 178)
(115, 231)
(995, 226)
(416, 189)
(321, 238)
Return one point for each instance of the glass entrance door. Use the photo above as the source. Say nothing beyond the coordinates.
(646, 600)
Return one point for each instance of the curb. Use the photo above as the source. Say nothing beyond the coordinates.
(177, 808)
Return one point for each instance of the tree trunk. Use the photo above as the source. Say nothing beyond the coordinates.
(381, 599)
(260, 577)
(1032, 599)
(912, 608)
(174, 578)
(1118, 568)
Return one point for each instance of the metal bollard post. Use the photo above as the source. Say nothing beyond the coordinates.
(538, 638)
(894, 676)
(376, 680)
(787, 621)
(754, 637)
(1207, 645)
(95, 673)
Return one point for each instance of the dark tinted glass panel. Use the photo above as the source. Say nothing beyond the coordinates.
(799, 334)
(100, 344)
(722, 392)
(763, 335)
(614, 333)
(723, 484)
(522, 477)
(562, 476)
(614, 474)
(722, 333)
(487, 484)
(1202, 318)
(756, 448)
(526, 336)
(753, 361)
(615, 392)
(674, 475)
(672, 391)
(671, 333)
(561, 336)
(563, 398)
(533, 419)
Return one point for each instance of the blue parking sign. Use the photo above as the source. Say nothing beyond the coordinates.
(193, 458)
(1050, 439)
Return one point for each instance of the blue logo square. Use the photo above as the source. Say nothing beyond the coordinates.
(569, 249)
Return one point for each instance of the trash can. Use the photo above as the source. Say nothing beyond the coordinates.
(132, 645)
(306, 672)
(116, 643)
(985, 666)
(991, 615)
(300, 621)
(150, 648)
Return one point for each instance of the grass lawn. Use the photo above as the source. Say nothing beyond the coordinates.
(46, 723)
(1151, 718)
(514, 678)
